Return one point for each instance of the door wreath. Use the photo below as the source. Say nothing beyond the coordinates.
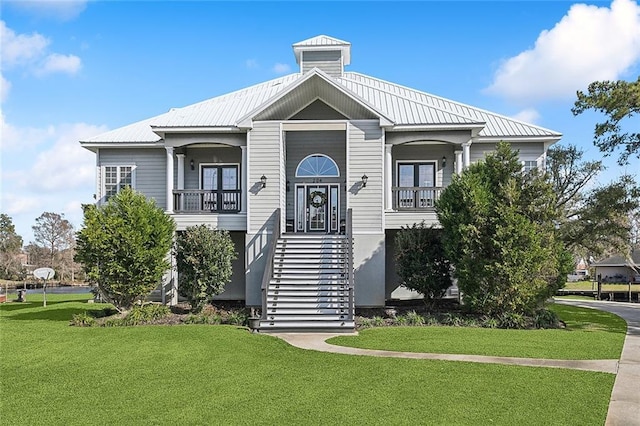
(317, 199)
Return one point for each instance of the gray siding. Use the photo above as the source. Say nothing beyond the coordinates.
(451, 136)
(366, 157)
(528, 151)
(265, 157)
(301, 144)
(318, 110)
(328, 61)
(150, 169)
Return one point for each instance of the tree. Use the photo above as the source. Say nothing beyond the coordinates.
(618, 100)
(10, 248)
(204, 258)
(124, 246)
(499, 234)
(53, 233)
(421, 263)
(595, 221)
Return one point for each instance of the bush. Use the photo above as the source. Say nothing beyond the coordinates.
(544, 318)
(139, 315)
(204, 257)
(414, 318)
(123, 247)
(83, 319)
(421, 262)
(512, 320)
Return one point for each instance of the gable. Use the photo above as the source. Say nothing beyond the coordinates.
(315, 85)
(318, 110)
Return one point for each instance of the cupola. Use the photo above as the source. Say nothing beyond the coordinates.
(323, 52)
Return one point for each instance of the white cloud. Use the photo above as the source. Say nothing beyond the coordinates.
(19, 49)
(56, 62)
(528, 115)
(251, 63)
(23, 138)
(5, 88)
(13, 204)
(66, 165)
(279, 68)
(63, 10)
(589, 43)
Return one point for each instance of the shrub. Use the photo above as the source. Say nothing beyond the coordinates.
(204, 257)
(378, 321)
(83, 319)
(401, 320)
(139, 315)
(421, 262)
(544, 318)
(123, 247)
(489, 322)
(512, 320)
(236, 318)
(365, 322)
(414, 318)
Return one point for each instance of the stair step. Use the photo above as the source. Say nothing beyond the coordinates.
(306, 293)
(346, 325)
(319, 260)
(307, 302)
(303, 281)
(307, 287)
(307, 311)
(308, 265)
(307, 317)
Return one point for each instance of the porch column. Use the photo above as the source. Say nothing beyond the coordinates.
(458, 162)
(180, 171)
(169, 179)
(388, 170)
(466, 147)
(243, 180)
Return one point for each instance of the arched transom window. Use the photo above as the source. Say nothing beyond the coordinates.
(316, 165)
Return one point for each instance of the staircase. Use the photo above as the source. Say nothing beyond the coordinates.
(309, 286)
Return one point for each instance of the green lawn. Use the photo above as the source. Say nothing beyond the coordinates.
(52, 373)
(590, 334)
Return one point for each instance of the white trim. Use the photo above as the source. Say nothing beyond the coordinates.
(119, 166)
(428, 127)
(493, 139)
(318, 176)
(98, 177)
(347, 160)
(248, 199)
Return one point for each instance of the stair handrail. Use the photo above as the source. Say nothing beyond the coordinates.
(350, 267)
(268, 267)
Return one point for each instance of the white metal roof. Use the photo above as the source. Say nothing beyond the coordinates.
(322, 40)
(402, 105)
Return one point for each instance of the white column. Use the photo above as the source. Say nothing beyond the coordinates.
(458, 162)
(180, 171)
(169, 179)
(388, 171)
(466, 147)
(243, 180)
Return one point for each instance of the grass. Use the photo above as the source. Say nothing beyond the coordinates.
(52, 373)
(590, 334)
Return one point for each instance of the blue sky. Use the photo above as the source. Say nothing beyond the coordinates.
(74, 69)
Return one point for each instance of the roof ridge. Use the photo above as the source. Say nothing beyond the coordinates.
(450, 101)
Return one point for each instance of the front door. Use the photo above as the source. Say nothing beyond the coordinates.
(317, 208)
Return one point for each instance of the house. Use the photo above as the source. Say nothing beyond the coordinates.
(619, 268)
(312, 173)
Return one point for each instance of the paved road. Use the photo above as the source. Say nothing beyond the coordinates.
(624, 408)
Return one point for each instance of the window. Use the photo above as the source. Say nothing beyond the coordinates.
(221, 183)
(317, 165)
(529, 165)
(411, 179)
(117, 178)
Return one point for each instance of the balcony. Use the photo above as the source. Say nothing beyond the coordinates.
(415, 198)
(191, 201)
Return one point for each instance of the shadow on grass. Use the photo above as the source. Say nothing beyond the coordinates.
(584, 319)
(16, 306)
(57, 314)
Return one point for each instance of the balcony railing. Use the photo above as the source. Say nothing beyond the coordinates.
(415, 198)
(206, 201)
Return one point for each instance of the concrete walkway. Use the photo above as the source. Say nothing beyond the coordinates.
(624, 408)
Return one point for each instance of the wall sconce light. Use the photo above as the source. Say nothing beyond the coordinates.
(365, 178)
(263, 180)
(288, 186)
(444, 161)
(193, 167)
